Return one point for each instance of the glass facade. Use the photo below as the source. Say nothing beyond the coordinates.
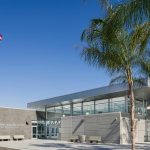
(118, 104)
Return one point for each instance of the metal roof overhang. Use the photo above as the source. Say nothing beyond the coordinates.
(93, 94)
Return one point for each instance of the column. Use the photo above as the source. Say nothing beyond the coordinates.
(62, 110)
(143, 110)
(45, 122)
(126, 104)
(71, 109)
(94, 107)
(146, 108)
(82, 108)
(108, 105)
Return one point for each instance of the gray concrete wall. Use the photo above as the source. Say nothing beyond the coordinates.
(105, 125)
(147, 131)
(112, 127)
(16, 121)
(125, 130)
(140, 127)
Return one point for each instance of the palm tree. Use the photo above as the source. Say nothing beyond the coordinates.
(125, 54)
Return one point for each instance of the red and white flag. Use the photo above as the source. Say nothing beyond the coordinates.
(1, 37)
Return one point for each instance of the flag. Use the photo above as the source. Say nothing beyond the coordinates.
(1, 37)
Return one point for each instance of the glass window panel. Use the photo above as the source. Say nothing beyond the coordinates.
(118, 104)
(101, 106)
(88, 108)
(77, 109)
(51, 109)
(101, 101)
(139, 107)
(118, 99)
(58, 109)
(66, 109)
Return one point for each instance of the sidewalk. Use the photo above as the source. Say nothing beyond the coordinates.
(62, 145)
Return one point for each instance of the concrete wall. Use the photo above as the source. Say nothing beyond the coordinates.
(16, 121)
(147, 131)
(140, 127)
(112, 127)
(105, 125)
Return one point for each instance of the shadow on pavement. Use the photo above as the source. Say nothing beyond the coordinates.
(70, 146)
(4, 148)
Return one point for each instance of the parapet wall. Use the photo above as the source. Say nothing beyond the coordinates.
(112, 127)
(105, 125)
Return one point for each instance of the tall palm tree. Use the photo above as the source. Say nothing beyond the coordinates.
(125, 54)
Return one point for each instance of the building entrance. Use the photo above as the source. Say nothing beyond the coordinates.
(34, 132)
(38, 129)
(50, 131)
(53, 129)
(54, 132)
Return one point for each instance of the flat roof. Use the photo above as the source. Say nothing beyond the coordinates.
(105, 92)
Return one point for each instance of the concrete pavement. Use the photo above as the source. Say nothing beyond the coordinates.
(62, 145)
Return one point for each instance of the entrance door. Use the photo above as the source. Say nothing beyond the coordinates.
(54, 132)
(34, 131)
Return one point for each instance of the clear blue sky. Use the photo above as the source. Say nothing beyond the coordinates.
(38, 55)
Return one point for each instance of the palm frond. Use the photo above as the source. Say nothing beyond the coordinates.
(91, 55)
(133, 11)
(118, 79)
(105, 4)
(96, 23)
(139, 82)
(140, 36)
(137, 11)
(145, 67)
(127, 14)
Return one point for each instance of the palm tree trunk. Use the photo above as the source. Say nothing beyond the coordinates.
(132, 114)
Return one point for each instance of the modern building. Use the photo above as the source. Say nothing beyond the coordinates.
(101, 112)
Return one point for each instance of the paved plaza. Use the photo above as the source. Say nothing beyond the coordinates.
(61, 145)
